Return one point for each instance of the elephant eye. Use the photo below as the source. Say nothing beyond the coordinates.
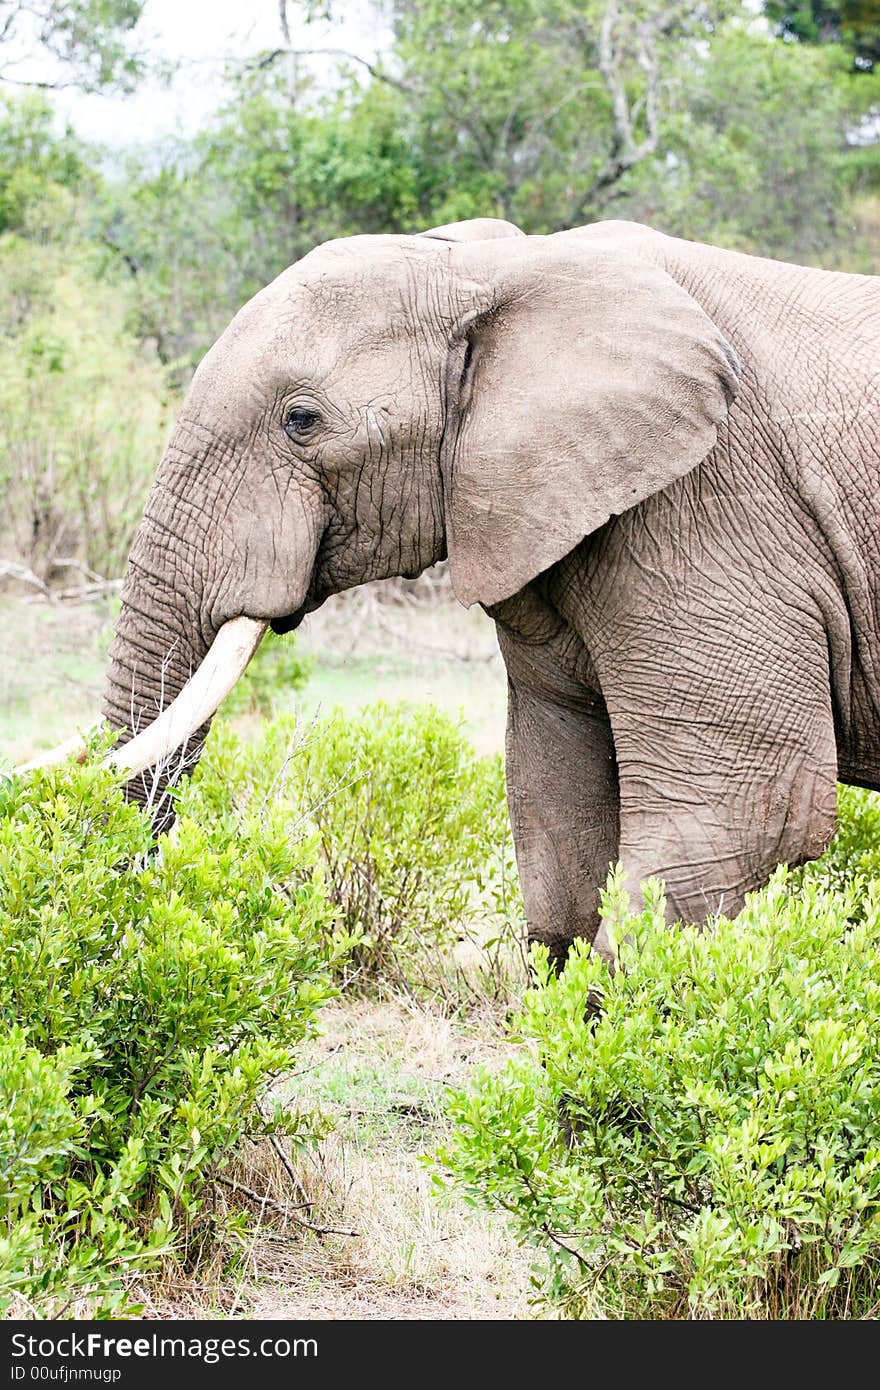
(299, 422)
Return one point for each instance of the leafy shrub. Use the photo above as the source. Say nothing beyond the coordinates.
(65, 1238)
(412, 827)
(150, 1001)
(710, 1146)
(852, 860)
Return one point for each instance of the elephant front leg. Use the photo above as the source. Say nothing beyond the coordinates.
(711, 801)
(563, 799)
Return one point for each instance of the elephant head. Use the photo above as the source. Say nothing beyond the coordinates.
(389, 400)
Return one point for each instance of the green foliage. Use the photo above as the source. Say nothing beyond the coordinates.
(65, 1239)
(90, 40)
(513, 111)
(84, 404)
(720, 179)
(853, 23)
(512, 116)
(541, 111)
(149, 1002)
(266, 182)
(852, 861)
(40, 170)
(83, 414)
(531, 109)
(412, 829)
(710, 1146)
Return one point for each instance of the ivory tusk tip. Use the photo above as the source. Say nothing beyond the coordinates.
(197, 702)
(72, 747)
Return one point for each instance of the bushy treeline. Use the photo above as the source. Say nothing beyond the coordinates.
(702, 120)
(713, 122)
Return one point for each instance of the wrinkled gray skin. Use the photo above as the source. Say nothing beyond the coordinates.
(656, 465)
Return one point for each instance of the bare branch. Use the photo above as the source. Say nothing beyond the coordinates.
(452, 104)
(623, 145)
(626, 149)
(24, 575)
(34, 85)
(647, 60)
(124, 256)
(88, 40)
(282, 18)
(95, 583)
(9, 22)
(266, 60)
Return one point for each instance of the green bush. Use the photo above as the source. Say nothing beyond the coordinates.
(710, 1146)
(413, 832)
(852, 860)
(65, 1238)
(150, 1002)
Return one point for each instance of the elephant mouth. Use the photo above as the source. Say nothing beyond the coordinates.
(291, 621)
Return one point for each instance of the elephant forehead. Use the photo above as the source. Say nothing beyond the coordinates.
(360, 298)
(361, 287)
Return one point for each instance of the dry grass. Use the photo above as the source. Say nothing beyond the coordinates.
(378, 1073)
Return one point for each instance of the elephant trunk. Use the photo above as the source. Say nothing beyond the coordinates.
(172, 741)
(155, 651)
(167, 673)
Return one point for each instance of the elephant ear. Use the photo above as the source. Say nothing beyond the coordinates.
(474, 229)
(582, 379)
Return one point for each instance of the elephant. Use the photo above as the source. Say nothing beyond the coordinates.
(653, 462)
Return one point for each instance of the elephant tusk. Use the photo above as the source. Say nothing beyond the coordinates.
(76, 745)
(230, 653)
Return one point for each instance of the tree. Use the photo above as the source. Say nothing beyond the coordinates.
(88, 41)
(754, 151)
(263, 184)
(853, 23)
(556, 112)
(534, 109)
(41, 170)
(549, 112)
